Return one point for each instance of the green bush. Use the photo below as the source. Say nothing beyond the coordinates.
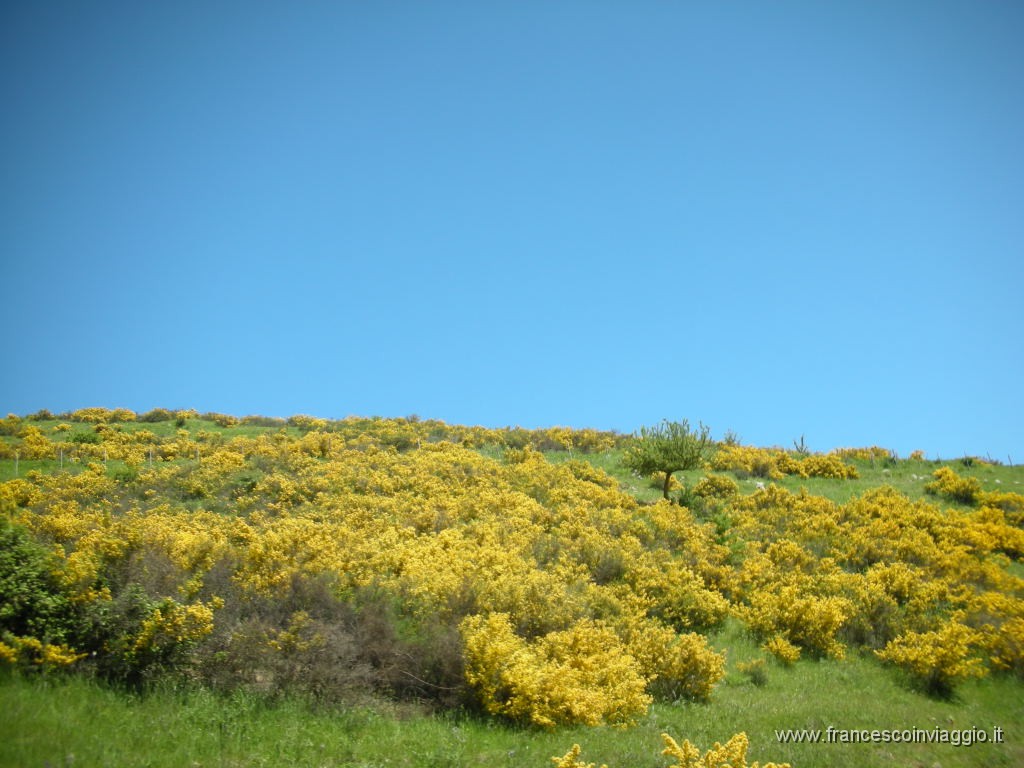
(38, 622)
(156, 415)
(32, 602)
(86, 438)
(667, 448)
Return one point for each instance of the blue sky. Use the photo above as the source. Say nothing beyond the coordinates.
(781, 219)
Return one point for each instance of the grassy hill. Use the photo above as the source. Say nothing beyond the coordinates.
(408, 592)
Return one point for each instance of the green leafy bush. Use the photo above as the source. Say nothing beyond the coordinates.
(32, 602)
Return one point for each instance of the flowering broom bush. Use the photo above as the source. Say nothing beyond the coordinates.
(716, 487)
(950, 485)
(732, 754)
(936, 660)
(775, 464)
(582, 675)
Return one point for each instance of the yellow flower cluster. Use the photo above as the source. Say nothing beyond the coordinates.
(30, 650)
(776, 464)
(952, 486)
(783, 650)
(174, 624)
(788, 613)
(580, 675)
(937, 659)
(571, 759)
(35, 445)
(884, 572)
(757, 461)
(732, 754)
(680, 666)
(716, 487)
(833, 467)
(102, 415)
(1006, 647)
(872, 453)
(997, 507)
(299, 636)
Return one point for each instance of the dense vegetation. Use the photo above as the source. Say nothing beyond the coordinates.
(522, 575)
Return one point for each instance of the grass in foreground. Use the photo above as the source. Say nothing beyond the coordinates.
(60, 722)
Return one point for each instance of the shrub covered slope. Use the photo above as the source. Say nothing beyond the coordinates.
(502, 571)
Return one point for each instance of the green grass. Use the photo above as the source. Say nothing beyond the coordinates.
(907, 476)
(72, 721)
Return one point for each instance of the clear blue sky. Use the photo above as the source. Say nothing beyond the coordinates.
(783, 219)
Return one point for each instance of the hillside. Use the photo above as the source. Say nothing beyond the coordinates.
(523, 579)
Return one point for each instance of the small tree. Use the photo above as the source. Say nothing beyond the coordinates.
(669, 447)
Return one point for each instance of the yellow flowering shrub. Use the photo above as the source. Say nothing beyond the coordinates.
(787, 591)
(173, 624)
(676, 594)
(582, 675)
(307, 423)
(673, 529)
(716, 487)
(689, 668)
(680, 666)
(997, 531)
(829, 466)
(35, 445)
(871, 453)
(950, 485)
(808, 621)
(888, 599)
(774, 464)
(783, 650)
(757, 461)
(1005, 646)
(36, 653)
(937, 660)
(732, 754)
(1011, 504)
(888, 564)
(571, 759)
(98, 415)
(19, 493)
